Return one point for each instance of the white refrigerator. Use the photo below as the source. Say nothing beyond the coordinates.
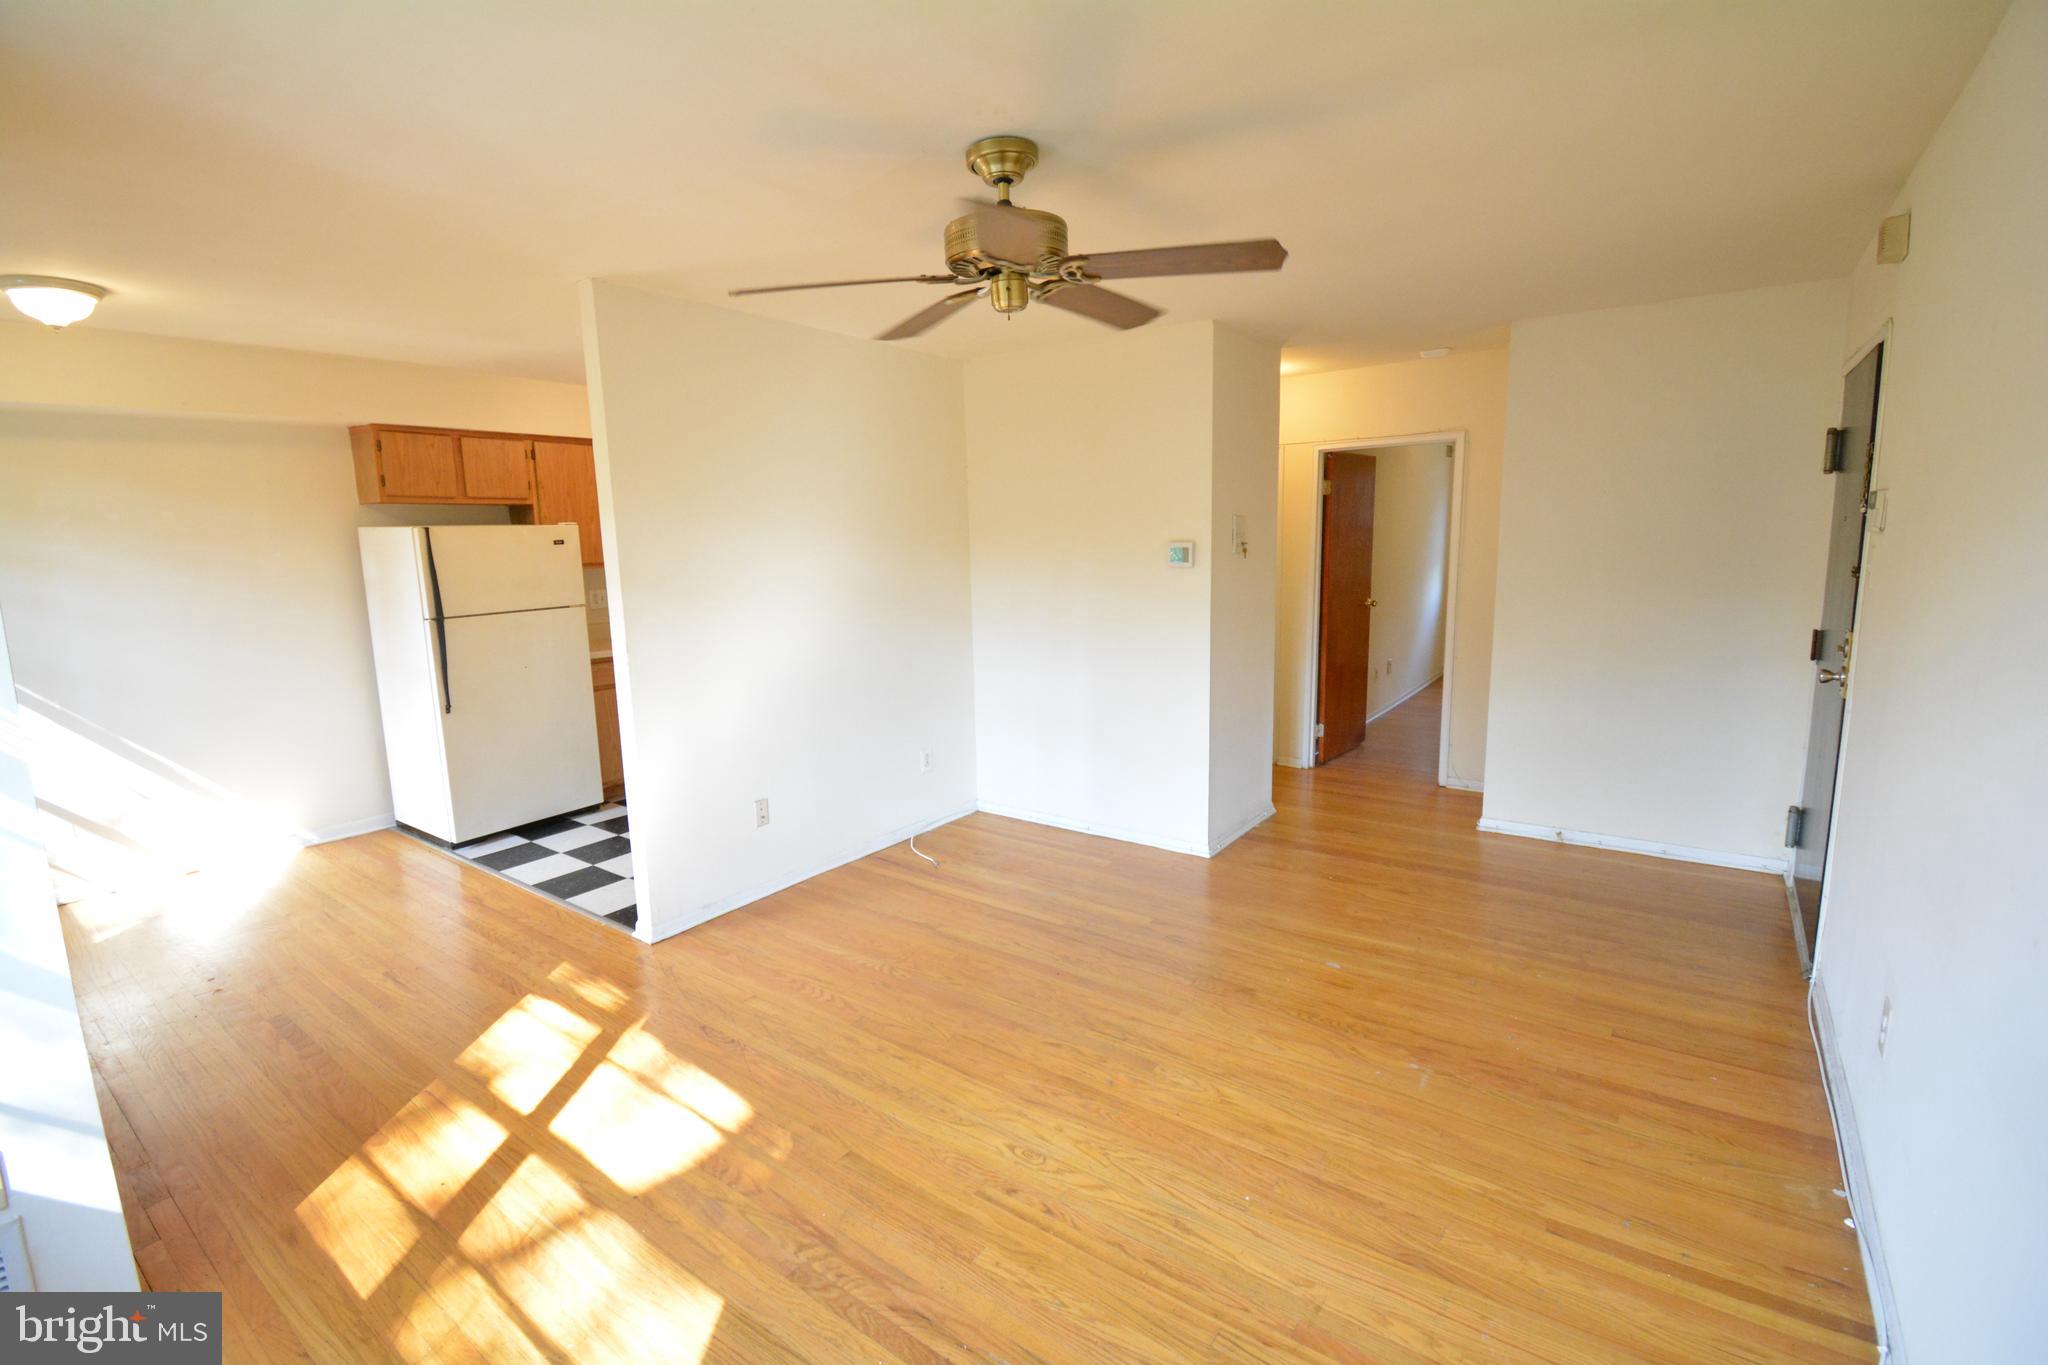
(483, 674)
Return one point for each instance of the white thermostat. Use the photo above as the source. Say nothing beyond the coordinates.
(1180, 554)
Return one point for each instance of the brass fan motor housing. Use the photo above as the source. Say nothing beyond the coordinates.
(965, 257)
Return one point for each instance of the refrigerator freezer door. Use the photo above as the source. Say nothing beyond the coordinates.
(521, 737)
(484, 569)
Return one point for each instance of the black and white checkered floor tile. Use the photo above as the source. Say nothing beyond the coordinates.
(583, 860)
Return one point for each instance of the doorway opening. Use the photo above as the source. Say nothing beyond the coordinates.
(1849, 460)
(1385, 563)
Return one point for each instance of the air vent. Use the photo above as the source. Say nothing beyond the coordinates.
(1894, 238)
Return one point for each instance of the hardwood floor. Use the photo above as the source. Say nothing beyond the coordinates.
(1369, 1086)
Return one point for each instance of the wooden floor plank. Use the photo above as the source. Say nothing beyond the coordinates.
(1370, 1085)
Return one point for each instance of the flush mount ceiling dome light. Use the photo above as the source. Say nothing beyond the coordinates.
(51, 300)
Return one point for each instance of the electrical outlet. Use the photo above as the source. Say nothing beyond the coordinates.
(924, 760)
(760, 812)
(1884, 1026)
(598, 599)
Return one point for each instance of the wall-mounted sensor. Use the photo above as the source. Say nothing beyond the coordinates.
(1238, 544)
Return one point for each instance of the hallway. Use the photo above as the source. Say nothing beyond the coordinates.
(1367, 1086)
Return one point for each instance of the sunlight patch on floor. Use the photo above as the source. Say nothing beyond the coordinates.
(527, 1051)
(362, 1226)
(431, 1148)
(466, 1219)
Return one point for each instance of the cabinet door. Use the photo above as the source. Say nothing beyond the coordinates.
(417, 464)
(565, 489)
(611, 765)
(496, 470)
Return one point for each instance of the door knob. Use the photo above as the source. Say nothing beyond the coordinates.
(1828, 675)
(1372, 601)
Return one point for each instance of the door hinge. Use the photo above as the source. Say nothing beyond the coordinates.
(1795, 825)
(1326, 488)
(1831, 456)
(380, 481)
(380, 445)
(1813, 649)
(1319, 729)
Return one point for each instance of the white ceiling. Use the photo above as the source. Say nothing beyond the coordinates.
(428, 181)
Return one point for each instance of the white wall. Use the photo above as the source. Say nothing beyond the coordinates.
(60, 1174)
(91, 367)
(177, 557)
(786, 555)
(1093, 658)
(186, 593)
(1246, 413)
(1462, 392)
(1934, 896)
(1663, 534)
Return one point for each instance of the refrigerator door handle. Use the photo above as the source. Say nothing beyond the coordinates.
(440, 623)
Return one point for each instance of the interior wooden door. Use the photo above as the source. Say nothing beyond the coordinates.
(417, 464)
(1344, 640)
(1831, 647)
(565, 489)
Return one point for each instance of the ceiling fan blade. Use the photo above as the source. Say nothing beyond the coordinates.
(1216, 258)
(1004, 233)
(931, 317)
(1103, 305)
(841, 284)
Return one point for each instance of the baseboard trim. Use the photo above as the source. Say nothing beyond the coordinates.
(1855, 1173)
(1676, 852)
(692, 918)
(353, 828)
(1127, 836)
(1463, 784)
(1403, 697)
(1258, 818)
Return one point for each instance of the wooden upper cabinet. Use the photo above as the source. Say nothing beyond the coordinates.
(497, 469)
(565, 489)
(428, 465)
(415, 464)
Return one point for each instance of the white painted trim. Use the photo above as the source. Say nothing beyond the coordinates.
(367, 825)
(1463, 784)
(1128, 836)
(1677, 852)
(1855, 1173)
(712, 910)
(1258, 818)
(1306, 757)
(1419, 687)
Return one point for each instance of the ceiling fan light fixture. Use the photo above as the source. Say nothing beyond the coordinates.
(50, 299)
(1018, 256)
